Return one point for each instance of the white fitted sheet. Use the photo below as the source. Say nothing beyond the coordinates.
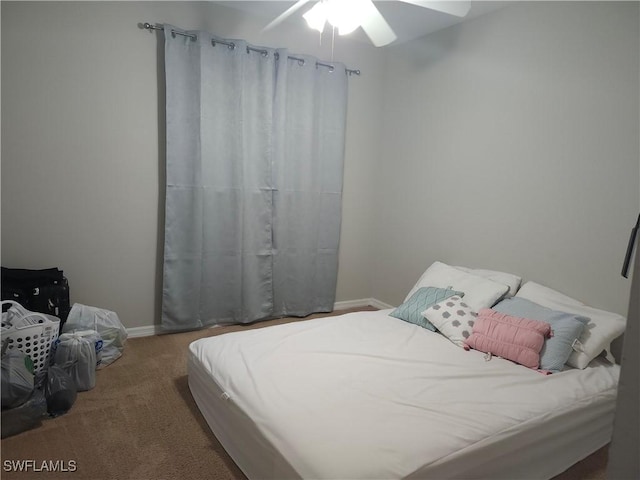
(365, 395)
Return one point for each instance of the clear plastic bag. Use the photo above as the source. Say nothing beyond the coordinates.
(14, 313)
(105, 322)
(17, 378)
(76, 353)
(60, 391)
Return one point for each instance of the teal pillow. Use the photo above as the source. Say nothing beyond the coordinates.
(566, 328)
(411, 310)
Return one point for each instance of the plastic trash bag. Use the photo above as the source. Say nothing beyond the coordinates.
(96, 340)
(105, 322)
(18, 316)
(59, 390)
(16, 378)
(13, 314)
(90, 335)
(76, 353)
(25, 417)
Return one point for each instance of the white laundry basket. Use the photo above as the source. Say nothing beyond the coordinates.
(31, 333)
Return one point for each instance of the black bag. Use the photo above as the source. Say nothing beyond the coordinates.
(26, 416)
(60, 391)
(44, 291)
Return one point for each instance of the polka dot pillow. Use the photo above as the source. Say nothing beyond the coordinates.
(453, 318)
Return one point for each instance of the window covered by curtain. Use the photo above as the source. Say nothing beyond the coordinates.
(255, 144)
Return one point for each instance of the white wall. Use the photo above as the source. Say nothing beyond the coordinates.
(512, 142)
(82, 144)
(508, 142)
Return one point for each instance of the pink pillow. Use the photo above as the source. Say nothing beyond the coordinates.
(517, 339)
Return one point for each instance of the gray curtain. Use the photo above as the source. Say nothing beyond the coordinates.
(309, 128)
(255, 144)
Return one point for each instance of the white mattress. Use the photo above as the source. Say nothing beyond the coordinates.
(365, 395)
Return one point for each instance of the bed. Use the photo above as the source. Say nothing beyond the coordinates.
(366, 395)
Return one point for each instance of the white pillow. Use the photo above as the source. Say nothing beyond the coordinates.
(539, 294)
(509, 279)
(602, 329)
(478, 292)
(453, 318)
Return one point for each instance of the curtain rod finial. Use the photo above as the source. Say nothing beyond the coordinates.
(148, 26)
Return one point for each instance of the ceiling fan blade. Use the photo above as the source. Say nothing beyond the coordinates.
(456, 8)
(375, 26)
(283, 16)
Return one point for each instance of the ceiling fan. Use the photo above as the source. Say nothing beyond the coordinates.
(348, 15)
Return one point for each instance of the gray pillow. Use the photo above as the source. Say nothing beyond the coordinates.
(566, 327)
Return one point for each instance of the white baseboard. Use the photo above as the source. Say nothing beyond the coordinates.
(150, 330)
(143, 331)
(363, 302)
(374, 302)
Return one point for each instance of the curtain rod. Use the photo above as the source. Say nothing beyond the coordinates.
(232, 45)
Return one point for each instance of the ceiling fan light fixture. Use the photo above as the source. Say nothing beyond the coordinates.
(345, 15)
(316, 17)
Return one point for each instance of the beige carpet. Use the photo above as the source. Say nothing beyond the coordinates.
(141, 423)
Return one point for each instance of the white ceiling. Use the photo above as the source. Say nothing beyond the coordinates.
(407, 21)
